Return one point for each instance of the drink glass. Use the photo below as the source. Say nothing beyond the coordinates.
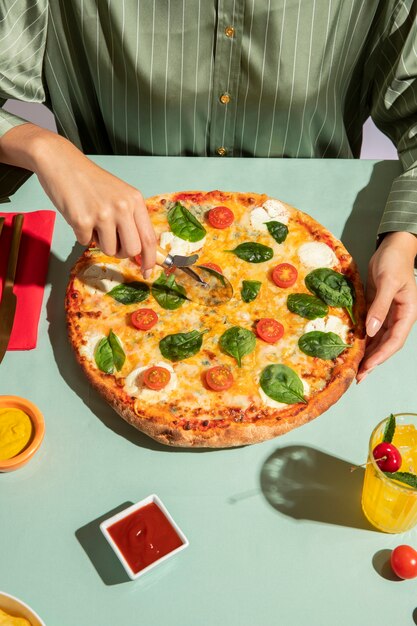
(389, 505)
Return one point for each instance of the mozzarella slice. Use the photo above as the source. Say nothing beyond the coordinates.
(92, 339)
(335, 325)
(276, 211)
(331, 324)
(102, 277)
(317, 254)
(135, 386)
(317, 324)
(176, 245)
(269, 401)
(258, 217)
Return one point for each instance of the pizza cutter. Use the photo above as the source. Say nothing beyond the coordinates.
(202, 284)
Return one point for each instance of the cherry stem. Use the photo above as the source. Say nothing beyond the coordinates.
(355, 467)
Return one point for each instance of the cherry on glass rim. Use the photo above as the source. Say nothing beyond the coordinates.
(387, 457)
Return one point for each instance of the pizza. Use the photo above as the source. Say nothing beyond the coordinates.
(279, 353)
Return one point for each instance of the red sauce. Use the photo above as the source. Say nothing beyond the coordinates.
(144, 536)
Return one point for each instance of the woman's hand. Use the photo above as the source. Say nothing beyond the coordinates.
(391, 295)
(95, 203)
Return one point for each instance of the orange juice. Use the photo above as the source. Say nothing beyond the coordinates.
(389, 505)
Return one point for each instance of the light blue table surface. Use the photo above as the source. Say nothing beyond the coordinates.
(276, 532)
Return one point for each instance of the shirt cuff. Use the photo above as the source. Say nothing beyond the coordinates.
(11, 178)
(401, 208)
(9, 121)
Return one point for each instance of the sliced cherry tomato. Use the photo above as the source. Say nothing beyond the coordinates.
(143, 319)
(156, 377)
(284, 275)
(220, 217)
(213, 266)
(219, 378)
(269, 329)
(404, 561)
(138, 259)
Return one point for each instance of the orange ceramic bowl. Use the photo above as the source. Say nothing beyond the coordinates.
(15, 402)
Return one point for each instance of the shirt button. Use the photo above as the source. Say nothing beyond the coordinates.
(229, 31)
(221, 151)
(225, 98)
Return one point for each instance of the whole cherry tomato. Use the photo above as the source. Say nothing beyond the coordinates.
(404, 561)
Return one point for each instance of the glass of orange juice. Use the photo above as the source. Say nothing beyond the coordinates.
(388, 504)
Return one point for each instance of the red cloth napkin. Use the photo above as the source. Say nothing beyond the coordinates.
(32, 267)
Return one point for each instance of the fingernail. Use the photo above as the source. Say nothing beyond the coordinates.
(372, 326)
(147, 274)
(365, 374)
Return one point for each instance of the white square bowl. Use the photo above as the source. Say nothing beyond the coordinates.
(104, 526)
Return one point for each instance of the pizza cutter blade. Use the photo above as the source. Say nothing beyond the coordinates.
(202, 284)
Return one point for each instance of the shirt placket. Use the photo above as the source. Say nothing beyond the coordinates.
(226, 77)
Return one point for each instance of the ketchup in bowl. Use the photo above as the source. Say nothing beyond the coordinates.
(143, 534)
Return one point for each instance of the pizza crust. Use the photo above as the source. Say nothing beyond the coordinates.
(238, 427)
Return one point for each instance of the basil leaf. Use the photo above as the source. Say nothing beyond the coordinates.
(184, 225)
(307, 306)
(282, 384)
(403, 477)
(119, 356)
(332, 287)
(323, 345)
(389, 429)
(109, 354)
(278, 230)
(129, 293)
(253, 252)
(250, 290)
(180, 346)
(103, 356)
(238, 342)
(167, 293)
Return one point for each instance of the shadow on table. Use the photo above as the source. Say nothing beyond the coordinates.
(359, 232)
(382, 565)
(71, 371)
(99, 551)
(308, 484)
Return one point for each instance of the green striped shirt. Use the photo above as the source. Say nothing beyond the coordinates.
(225, 78)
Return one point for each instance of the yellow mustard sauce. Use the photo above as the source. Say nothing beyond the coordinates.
(15, 432)
(9, 620)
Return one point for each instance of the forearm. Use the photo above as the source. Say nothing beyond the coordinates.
(29, 146)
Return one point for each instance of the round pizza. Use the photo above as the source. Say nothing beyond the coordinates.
(278, 353)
